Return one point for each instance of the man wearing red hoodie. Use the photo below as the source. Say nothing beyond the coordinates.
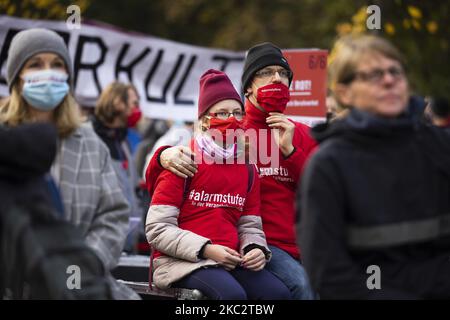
(265, 83)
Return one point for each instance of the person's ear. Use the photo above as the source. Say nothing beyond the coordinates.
(204, 123)
(343, 94)
(248, 91)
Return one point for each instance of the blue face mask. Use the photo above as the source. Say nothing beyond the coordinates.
(45, 89)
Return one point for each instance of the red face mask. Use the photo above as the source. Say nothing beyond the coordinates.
(134, 117)
(273, 97)
(226, 127)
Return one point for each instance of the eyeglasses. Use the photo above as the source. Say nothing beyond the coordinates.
(375, 76)
(269, 73)
(223, 115)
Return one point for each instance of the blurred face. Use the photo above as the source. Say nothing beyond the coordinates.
(42, 61)
(134, 113)
(133, 99)
(379, 86)
(43, 94)
(267, 75)
(121, 112)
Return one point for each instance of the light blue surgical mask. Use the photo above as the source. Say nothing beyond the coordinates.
(45, 89)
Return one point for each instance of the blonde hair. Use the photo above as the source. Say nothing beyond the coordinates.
(105, 108)
(15, 111)
(347, 54)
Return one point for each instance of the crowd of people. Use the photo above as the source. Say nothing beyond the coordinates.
(368, 188)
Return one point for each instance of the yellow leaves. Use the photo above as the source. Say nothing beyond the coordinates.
(40, 9)
(57, 11)
(414, 12)
(360, 16)
(43, 4)
(389, 28)
(416, 15)
(406, 24)
(358, 26)
(83, 4)
(432, 27)
(4, 4)
(11, 10)
(416, 24)
(415, 21)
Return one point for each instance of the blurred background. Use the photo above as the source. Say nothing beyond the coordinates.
(421, 29)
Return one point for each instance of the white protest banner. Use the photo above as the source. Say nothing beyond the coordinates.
(165, 73)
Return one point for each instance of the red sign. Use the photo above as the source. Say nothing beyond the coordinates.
(309, 86)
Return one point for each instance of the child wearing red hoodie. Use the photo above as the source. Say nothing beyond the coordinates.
(207, 230)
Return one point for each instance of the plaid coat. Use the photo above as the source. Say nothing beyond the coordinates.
(92, 198)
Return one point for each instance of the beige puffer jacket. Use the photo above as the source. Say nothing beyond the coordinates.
(182, 247)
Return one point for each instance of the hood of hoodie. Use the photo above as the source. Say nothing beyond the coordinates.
(362, 125)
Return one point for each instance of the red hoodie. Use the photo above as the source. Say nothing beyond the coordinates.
(278, 184)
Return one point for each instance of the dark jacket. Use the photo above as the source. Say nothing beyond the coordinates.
(377, 192)
(36, 247)
(22, 155)
(26, 154)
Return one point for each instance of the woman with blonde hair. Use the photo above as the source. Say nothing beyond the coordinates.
(39, 76)
(376, 194)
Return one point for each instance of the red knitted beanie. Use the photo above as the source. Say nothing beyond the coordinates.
(215, 86)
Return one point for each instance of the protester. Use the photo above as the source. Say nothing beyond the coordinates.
(17, 171)
(39, 76)
(213, 242)
(134, 135)
(36, 245)
(116, 110)
(265, 81)
(375, 196)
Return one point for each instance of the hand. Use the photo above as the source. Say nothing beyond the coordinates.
(254, 260)
(286, 131)
(226, 257)
(178, 160)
